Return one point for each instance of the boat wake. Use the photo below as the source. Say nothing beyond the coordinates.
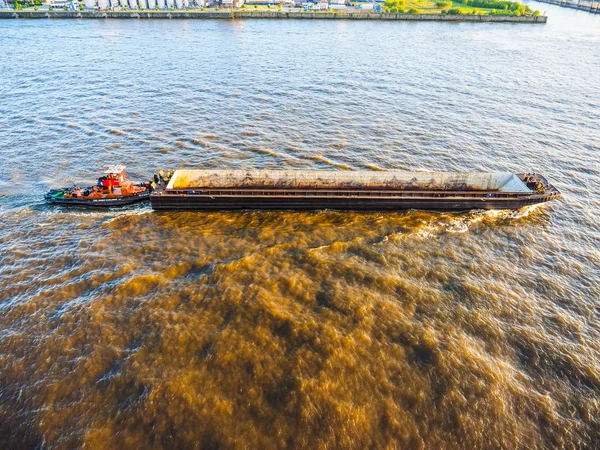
(455, 224)
(525, 211)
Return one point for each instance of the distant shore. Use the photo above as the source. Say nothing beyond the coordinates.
(242, 14)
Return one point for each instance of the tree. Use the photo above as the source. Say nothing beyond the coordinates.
(393, 6)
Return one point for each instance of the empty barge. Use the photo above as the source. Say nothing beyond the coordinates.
(350, 190)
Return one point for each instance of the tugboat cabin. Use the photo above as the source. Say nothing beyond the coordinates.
(113, 179)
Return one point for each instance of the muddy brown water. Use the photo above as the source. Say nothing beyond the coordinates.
(138, 329)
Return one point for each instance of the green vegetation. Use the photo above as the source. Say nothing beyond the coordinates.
(483, 7)
(394, 6)
(495, 7)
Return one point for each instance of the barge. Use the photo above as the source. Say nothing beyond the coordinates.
(350, 190)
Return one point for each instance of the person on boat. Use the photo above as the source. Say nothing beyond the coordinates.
(161, 174)
(156, 179)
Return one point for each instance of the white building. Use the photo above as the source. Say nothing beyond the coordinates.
(232, 3)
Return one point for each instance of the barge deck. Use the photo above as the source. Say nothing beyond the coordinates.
(350, 190)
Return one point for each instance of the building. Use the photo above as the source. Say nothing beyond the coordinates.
(232, 3)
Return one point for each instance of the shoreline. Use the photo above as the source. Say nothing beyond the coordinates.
(591, 6)
(227, 15)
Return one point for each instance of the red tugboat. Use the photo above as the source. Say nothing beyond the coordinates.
(113, 189)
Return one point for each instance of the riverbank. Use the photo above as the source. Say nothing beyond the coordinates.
(263, 15)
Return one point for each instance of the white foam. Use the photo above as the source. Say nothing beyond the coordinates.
(525, 211)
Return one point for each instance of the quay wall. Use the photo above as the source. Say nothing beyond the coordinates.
(592, 6)
(263, 15)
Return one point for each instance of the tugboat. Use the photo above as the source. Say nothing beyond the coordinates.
(112, 189)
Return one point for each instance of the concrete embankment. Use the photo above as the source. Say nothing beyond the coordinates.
(584, 5)
(262, 15)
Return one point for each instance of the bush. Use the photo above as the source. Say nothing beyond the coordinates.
(443, 4)
(413, 11)
(454, 12)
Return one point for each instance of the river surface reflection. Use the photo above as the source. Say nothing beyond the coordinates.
(137, 329)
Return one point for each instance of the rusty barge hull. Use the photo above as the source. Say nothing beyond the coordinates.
(346, 190)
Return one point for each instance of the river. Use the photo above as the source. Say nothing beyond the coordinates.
(137, 329)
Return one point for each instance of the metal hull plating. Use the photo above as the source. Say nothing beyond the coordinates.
(200, 202)
(98, 203)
